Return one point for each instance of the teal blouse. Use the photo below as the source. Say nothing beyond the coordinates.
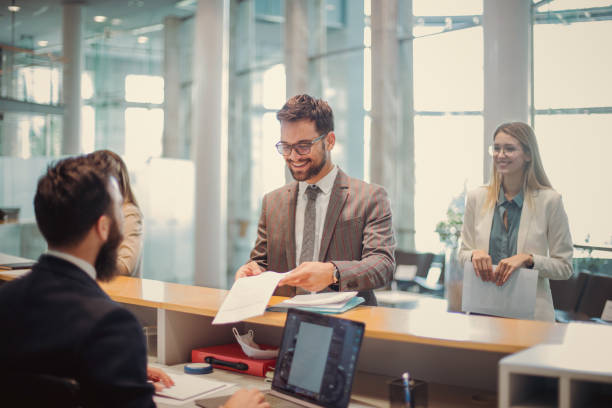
(502, 242)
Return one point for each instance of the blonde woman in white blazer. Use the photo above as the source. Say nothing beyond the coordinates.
(518, 219)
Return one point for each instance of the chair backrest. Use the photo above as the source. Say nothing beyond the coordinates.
(30, 390)
(422, 260)
(566, 294)
(597, 291)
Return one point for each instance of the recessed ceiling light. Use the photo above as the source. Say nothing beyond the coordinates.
(100, 19)
(116, 21)
(142, 39)
(13, 8)
(43, 43)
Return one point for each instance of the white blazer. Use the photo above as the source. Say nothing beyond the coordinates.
(543, 232)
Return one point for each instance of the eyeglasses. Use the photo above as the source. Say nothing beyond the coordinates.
(300, 148)
(496, 150)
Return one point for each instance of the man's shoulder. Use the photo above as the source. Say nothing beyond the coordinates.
(356, 184)
(282, 191)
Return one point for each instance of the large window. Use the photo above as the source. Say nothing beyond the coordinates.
(448, 100)
(573, 102)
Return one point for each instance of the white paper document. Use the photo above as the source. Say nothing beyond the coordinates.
(320, 299)
(189, 385)
(248, 297)
(516, 298)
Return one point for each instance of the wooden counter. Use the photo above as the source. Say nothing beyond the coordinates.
(434, 345)
(421, 325)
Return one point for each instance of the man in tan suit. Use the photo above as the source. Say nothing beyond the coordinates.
(333, 232)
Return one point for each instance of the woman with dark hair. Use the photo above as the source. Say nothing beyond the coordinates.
(518, 220)
(129, 261)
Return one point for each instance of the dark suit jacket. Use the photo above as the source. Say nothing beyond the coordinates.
(357, 235)
(57, 321)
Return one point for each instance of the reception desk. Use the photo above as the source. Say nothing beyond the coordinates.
(434, 345)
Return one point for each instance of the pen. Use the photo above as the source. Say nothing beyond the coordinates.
(406, 382)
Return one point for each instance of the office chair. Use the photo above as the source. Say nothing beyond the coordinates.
(38, 390)
(408, 266)
(597, 291)
(566, 295)
(420, 260)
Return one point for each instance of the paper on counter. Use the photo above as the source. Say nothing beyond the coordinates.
(320, 299)
(516, 298)
(188, 386)
(248, 297)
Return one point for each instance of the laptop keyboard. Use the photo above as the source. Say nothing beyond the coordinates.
(276, 402)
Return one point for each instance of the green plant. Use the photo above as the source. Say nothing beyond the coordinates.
(449, 230)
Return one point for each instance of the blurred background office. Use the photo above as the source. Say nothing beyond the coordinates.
(186, 92)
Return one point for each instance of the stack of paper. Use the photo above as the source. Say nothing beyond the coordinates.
(329, 302)
(516, 298)
(188, 386)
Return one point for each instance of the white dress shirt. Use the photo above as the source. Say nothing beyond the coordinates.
(80, 263)
(325, 184)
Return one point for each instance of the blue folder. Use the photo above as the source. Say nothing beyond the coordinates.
(321, 309)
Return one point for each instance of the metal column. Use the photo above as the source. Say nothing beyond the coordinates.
(507, 34)
(72, 40)
(172, 141)
(385, 98)
(404, 216)
(210, 140)
(296, 46)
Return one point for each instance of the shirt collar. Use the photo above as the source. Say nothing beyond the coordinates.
(80, 263)
(325, 184)
(518, 199)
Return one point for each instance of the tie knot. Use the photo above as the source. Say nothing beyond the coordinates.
(312, 191)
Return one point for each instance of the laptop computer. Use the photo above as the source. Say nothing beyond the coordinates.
(316, 363)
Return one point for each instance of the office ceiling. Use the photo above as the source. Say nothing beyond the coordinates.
(41, 20)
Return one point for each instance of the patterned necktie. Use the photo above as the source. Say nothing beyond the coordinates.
(310, 218)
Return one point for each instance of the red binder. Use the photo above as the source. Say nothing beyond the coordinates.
(231, 357)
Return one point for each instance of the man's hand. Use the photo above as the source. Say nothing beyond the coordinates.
(244, 398)
(250, 269)
(482, 265)
(311, 276)
(507, 266)
(159, 378)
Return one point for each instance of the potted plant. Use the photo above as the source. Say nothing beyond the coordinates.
(449, 231)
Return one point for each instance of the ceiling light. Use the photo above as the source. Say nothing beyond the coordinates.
(147, 29)
(116, 21)
(13, 8)
(100, 19)
(142, 39)
(43, 43)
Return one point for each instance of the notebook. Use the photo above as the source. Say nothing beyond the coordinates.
(187, 386)
(316, 363)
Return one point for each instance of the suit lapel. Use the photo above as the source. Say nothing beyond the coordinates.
(292, 193)
(526, 216)
(339, 194)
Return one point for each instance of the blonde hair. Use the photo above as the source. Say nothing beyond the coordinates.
(534, 176)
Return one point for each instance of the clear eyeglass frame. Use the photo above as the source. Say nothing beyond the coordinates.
(508, 150)
(301, 148)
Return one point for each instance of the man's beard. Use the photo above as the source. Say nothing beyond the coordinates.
(313, 171)
(106, 261)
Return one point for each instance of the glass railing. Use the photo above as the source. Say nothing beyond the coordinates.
(28, 76)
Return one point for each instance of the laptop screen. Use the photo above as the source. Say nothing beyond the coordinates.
(317, 358)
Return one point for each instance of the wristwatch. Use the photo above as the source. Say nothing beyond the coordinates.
(530, 263)
(336, 283)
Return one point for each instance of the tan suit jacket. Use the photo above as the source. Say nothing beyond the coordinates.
(129, 255)
(357, 235)
(543, 232)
